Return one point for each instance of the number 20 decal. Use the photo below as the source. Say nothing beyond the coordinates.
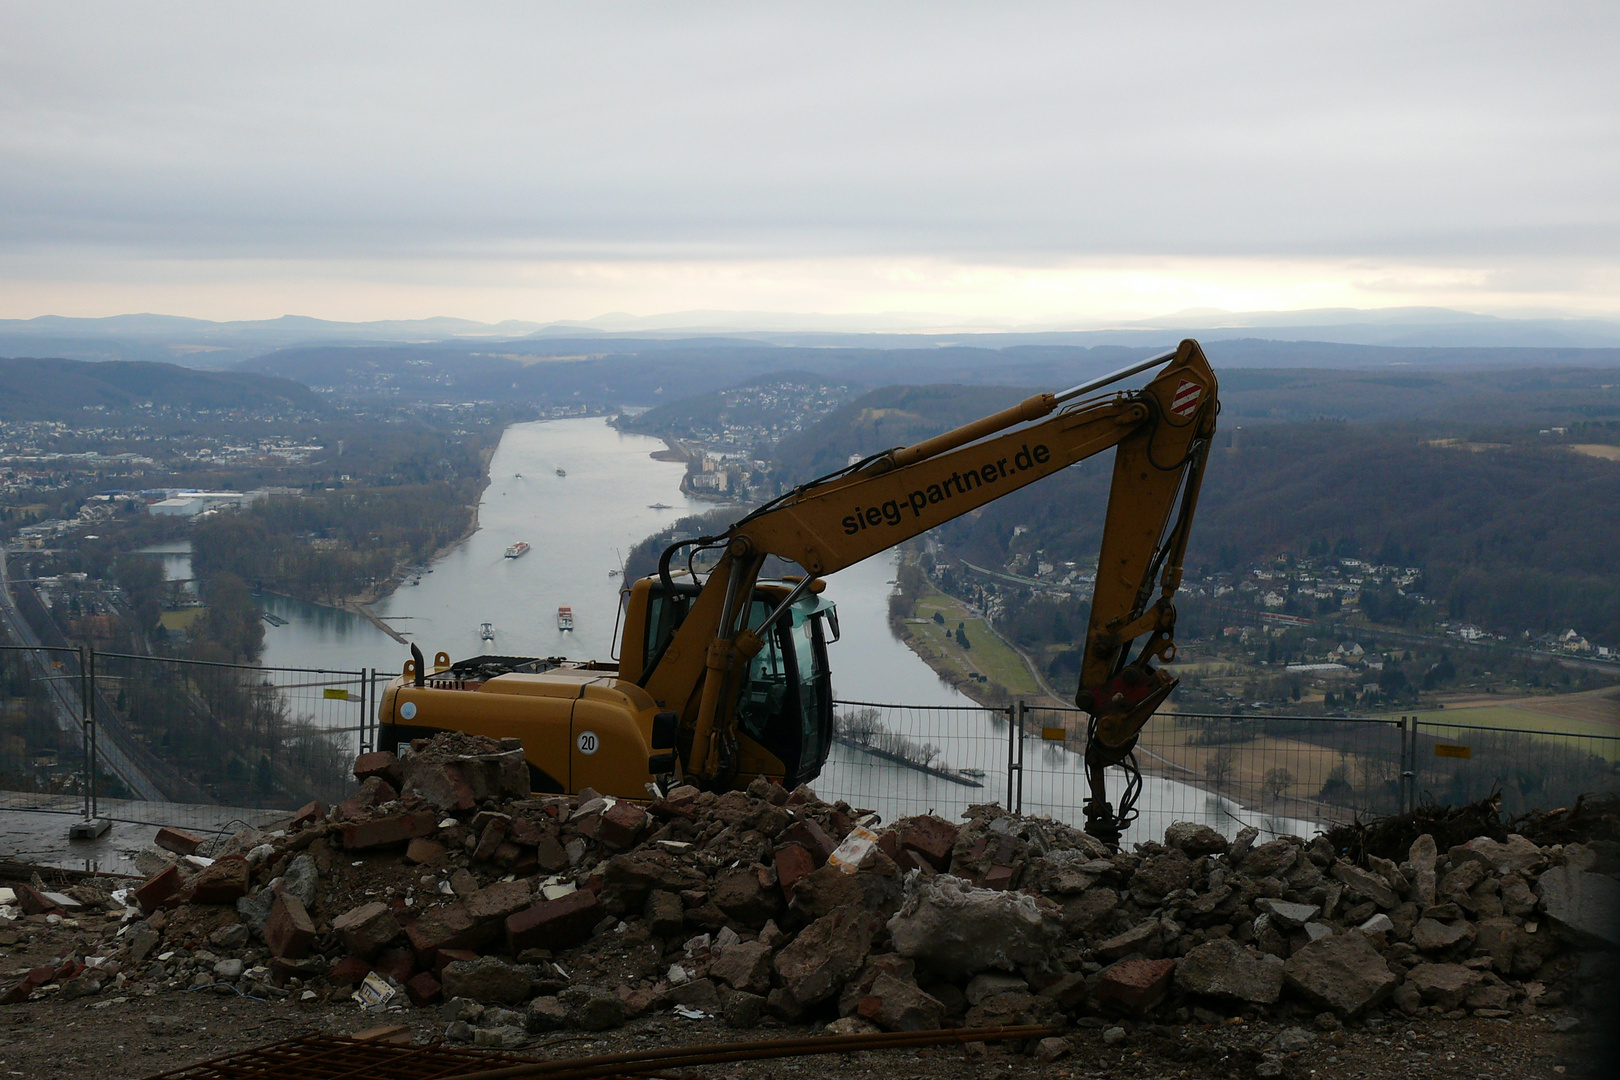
(588, 742)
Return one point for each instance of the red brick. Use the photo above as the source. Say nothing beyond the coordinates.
(423, 850)
(449, 927)
(813, 838)
(931, 838)
(375, 791)
(998, 877)
(225, 882)
(159, 889)
(793, 862)
(489, 840)
(396, 964)
(524, 832)
(499, 900)
(889, 844)
(289, 931)
(685, 807)
(378, 763)
(553, 924)
(25, 987)
(423, 989)
(32, 901)
(1135, 986)
(387, 831)
(622, 825)
(840, 823)
(308, 814)
(181, 843)
(348, 971)
(549, 854)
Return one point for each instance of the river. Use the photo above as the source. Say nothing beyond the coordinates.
(579, 524)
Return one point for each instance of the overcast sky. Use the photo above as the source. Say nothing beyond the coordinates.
(1035, 164)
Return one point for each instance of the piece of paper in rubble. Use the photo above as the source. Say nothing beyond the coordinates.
(856, 846)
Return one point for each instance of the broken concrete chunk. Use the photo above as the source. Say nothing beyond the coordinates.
(488, 980)
(1224, 969)
(957, 930)
(1285, 915)
(826, 953)
(1343, 973)
(1194, 839)
(745, 966)
(367, 928)
(895, 1004)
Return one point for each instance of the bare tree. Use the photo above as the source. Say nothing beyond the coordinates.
(1277, 782)
(1220, 766)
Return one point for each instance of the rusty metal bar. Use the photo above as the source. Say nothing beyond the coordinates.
(639, 1062)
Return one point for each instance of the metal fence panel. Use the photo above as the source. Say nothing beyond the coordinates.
(207, 736)
(205, 745)
(1532, 770)
(914, 759)
(1279, 774)
(42, 732)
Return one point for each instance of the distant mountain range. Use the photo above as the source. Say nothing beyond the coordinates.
(64, 389)
(202, 344)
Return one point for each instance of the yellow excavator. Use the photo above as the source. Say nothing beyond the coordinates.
(722, 677)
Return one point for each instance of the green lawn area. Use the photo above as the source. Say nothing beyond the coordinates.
(180, 620)
(988, 654)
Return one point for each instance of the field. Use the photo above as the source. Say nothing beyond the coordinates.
(986, 655)
(1592, 712)
(180, 620)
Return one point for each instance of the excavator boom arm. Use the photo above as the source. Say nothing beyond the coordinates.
(1161, 433)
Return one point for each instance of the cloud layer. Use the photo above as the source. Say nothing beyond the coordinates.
(549, 161)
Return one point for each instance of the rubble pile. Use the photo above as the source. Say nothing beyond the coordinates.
(444, 880)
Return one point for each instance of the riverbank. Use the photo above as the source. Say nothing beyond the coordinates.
(360, 603)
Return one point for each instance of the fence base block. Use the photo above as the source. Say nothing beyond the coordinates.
(88, 829)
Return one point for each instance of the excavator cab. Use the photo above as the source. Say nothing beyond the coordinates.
(784, 703)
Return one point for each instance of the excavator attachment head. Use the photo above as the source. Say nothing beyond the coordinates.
(1124, 704)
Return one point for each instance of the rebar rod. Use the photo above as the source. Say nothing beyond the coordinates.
(604, 1065)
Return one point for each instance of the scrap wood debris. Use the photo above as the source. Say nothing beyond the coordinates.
(445, 881)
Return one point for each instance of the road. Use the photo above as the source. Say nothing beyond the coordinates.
(64, 693)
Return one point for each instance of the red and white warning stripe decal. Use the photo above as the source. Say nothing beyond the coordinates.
(1185, 403)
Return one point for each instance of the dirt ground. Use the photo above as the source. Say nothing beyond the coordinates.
(127, 1037)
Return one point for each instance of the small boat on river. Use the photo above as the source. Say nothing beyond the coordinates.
(565, 618)
(487, 631)
(518, 550)
(562, 472)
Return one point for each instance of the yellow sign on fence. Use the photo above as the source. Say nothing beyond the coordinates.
(337, 694)
(1442, 750)
(1054, 734)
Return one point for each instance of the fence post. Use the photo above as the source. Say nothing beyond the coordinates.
(1406, 769)
(93, 824)
(1018, 764)
(88, 768)
(366, 676)
(95, 795)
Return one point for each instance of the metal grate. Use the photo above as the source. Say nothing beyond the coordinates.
(333, 1057)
